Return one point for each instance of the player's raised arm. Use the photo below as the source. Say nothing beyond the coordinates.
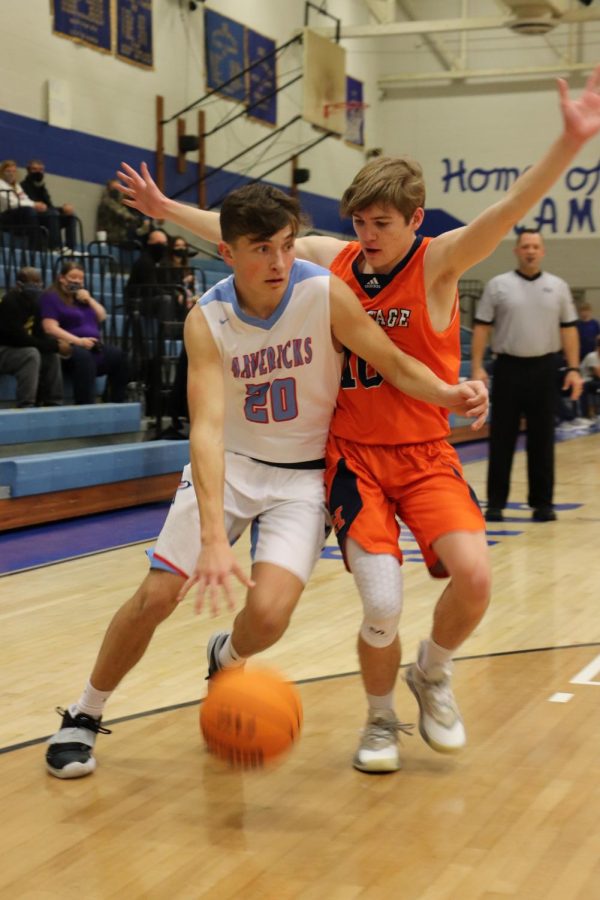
(452, 253)
(206, 400)
(141, 192)
(319, 249)
(357, 331)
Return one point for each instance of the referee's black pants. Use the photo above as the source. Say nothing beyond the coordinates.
(522, 386)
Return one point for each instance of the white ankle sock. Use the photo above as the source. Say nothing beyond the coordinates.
(91, 702)
(433, 658)
(376, 702)
(228, 657)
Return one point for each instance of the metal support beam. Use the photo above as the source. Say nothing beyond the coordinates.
(387, 81)
(384, 11)
(437, 26)
(435, 45)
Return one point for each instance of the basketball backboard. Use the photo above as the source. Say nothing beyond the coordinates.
(324, 84)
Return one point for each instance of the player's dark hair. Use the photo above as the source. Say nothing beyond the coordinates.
(27, 274)
(258, 211)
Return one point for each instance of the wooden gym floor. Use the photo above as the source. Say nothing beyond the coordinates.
(515, 815)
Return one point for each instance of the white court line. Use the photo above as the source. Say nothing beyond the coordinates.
(560, 697)
(586, 676)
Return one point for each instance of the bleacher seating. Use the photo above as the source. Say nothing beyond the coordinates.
(42, 473)
(57, 423)
(114, 463)
(8, 389)
(103, 472)
(209, 271)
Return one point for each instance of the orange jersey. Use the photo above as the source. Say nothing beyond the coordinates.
(369, 410)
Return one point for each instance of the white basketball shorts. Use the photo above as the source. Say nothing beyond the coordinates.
(285, 509)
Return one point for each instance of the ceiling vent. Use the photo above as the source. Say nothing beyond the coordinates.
(534, 17)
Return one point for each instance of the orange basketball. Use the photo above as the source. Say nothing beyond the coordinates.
(250, 717)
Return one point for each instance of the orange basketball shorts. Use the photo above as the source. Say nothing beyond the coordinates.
(370, 486)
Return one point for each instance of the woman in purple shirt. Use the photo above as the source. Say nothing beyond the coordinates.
(70, 313)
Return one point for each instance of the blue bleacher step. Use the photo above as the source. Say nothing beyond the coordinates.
(43, 473)
(217, 265)
(20, 426)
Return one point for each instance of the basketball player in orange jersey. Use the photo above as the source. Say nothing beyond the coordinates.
(387, 454)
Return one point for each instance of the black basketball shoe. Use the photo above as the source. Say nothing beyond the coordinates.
(70, 752)
(215, 642)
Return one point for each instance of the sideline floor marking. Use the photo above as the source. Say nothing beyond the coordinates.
(586, 676)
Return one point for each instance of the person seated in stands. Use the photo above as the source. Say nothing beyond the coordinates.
(55, 219)
(120, 223)
(181, 273)
(17, 211)
(177, 406)
(179, 255)
(588, 328)
(590, 372)
(68, 311)
(151, 267)
(570, 418)
(25, 351)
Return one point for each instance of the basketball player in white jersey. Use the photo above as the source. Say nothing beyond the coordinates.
(265, 360)
(385, 201)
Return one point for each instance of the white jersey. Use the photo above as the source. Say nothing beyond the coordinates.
(527, 313)
(282, 374)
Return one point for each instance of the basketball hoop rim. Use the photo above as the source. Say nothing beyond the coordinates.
(349, 104)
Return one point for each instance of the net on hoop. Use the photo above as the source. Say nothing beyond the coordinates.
(354, 115)
(349, 105)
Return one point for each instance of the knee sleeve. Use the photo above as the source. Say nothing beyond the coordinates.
(378, 577)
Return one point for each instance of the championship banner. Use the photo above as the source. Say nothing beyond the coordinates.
(225, 55)
(134, 32)
(355, 113)
(84, 22)
(262, 79)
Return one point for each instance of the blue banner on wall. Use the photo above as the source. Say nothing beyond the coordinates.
(355, 112)
(225, 55)
(134, 32)
(262, 79)
(85, 22)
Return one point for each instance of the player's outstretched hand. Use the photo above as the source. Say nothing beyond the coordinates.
(471, 399)
(582, 115)
(216, 564)
(140, 191)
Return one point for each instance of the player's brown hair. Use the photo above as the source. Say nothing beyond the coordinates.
(388, 181)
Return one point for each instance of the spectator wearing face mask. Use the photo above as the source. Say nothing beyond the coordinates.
(120, 223)
(25, 351)
(55, 219)
(182, 273)
(69, 312)
(151, 268)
